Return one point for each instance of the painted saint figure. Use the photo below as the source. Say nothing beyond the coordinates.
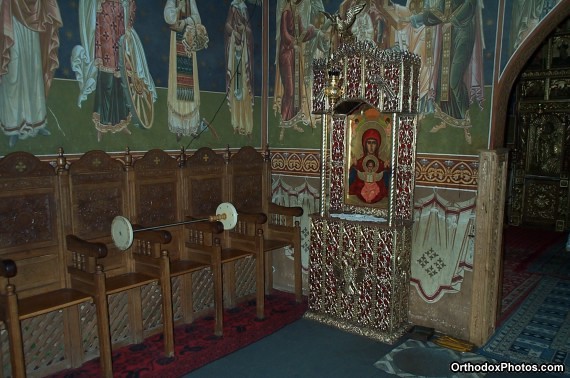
(239, 67)
(315, 48)
(29, 45)
(105, 27)
(187, 36)
(526, 14)
(419, 39)
(291, 93)
(366, 176)
(459, 56)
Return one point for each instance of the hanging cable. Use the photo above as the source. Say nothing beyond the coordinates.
(194, 137)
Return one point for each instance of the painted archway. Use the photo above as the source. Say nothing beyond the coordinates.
(503, 85)
(492, 183)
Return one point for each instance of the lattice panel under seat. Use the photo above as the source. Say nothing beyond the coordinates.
(5, 351)
(151, 297)
(44, 343)
(203, 290)
(245, 277)
(119, 317)
(177, 310)
(88, 319)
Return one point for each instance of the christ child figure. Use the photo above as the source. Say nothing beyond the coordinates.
(370, 177)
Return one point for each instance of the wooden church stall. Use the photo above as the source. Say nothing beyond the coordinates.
(69, 293)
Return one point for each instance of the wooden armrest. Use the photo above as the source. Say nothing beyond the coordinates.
(8, 268)
(257, 218)
(205, 226)
(76, 244)
(152, 236)
(294, 211)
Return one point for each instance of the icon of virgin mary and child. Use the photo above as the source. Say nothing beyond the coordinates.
(369, 175)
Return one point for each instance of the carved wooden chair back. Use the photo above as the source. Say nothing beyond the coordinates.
(40, 304)
(156, 189)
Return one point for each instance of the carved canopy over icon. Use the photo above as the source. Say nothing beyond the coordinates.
(385, 79)
(370, 97)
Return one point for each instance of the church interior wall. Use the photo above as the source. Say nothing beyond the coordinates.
(231, 113)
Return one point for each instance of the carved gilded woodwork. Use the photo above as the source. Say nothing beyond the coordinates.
(545, 145)
(559, 89)
(359, 277)
(385, 79)
(360, 249)
(539, 187)
(541, 157)
(533, 89)
(541, 201)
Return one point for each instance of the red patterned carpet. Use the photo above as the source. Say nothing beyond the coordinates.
(195, 344)
(523, 246)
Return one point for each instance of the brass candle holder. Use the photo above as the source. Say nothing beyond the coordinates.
(332, 90)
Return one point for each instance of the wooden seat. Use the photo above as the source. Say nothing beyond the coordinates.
(98, 192)
(250, 192)
(52, 301)
(205, 188)
(40, 304)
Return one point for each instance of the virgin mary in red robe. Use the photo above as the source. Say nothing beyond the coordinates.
(371, 141)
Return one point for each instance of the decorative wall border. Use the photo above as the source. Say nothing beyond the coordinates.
(449, 171)
(298, 163)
